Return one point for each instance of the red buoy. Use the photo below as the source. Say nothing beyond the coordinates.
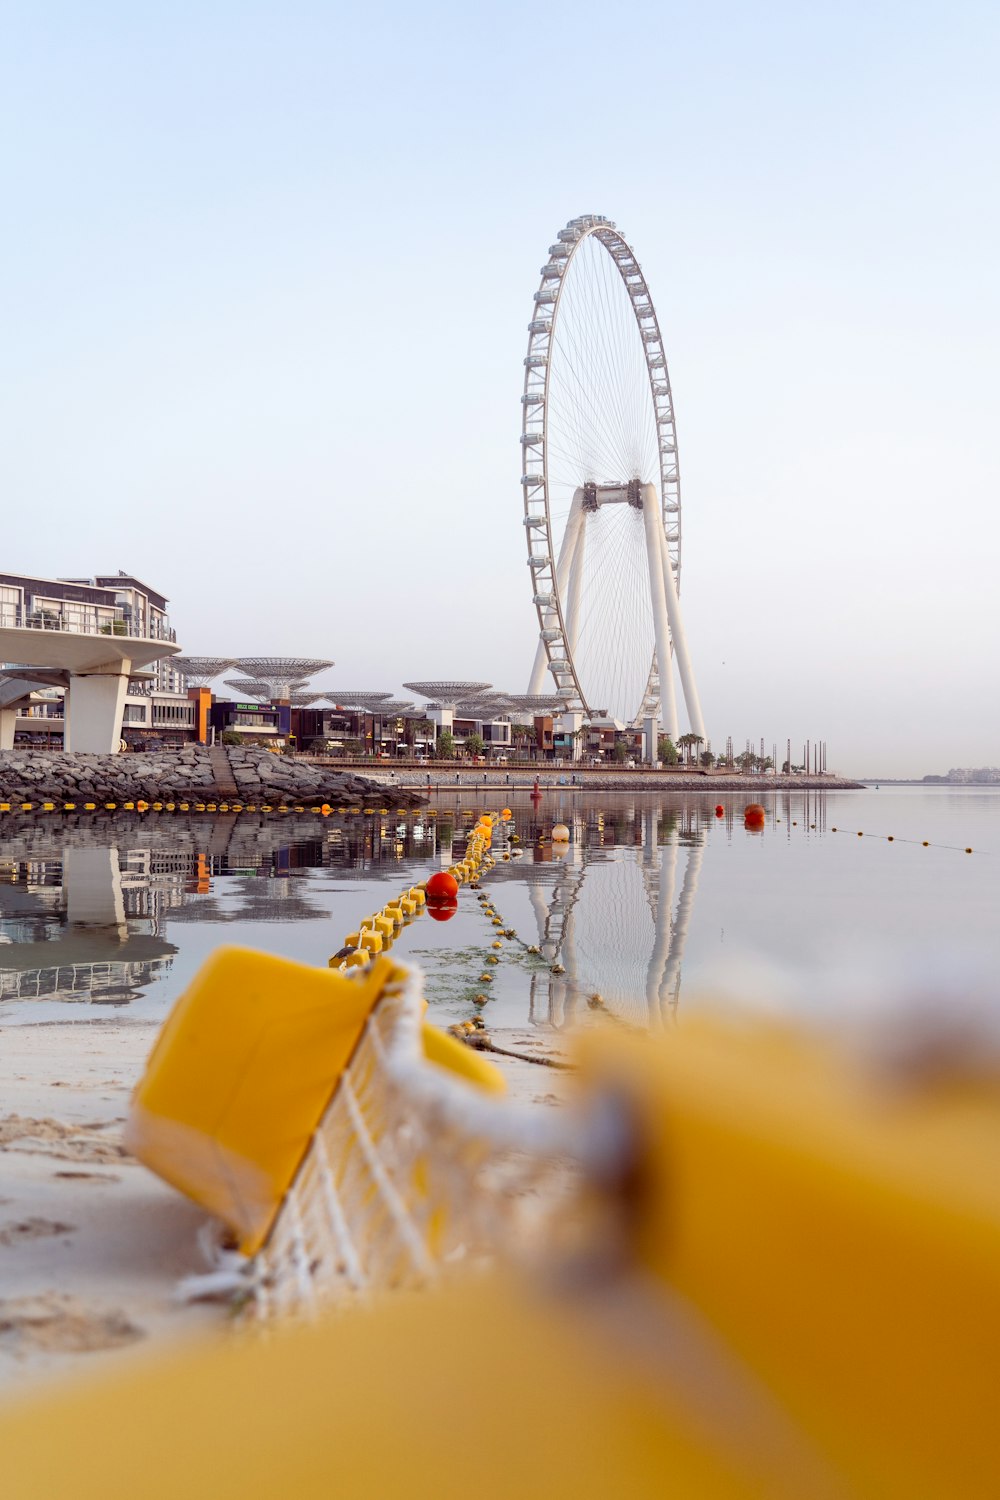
(442, 911)
(442, 886)
(719, 810)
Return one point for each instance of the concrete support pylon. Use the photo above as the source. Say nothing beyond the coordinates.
(92, 883)
(653, 526)
(684, 667)
(94, 709)
(8, 719)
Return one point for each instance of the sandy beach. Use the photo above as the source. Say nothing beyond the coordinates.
(93, 1246)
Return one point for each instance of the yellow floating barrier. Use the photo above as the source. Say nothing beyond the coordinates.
(239, 1078)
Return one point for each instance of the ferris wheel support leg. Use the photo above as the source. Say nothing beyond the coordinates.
(574, 584)
(660, 955)
(661, 621)
(536, 682)
(689, 887)
(680, 639)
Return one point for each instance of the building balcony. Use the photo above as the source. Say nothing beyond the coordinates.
(14, 617)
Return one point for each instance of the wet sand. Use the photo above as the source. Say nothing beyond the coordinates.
(91, 1244)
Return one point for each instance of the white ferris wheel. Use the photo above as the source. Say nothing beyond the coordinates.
(601, 486)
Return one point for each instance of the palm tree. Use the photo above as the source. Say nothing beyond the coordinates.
(687, 742)
(522, 735)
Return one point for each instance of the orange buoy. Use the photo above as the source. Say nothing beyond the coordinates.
(754, 817)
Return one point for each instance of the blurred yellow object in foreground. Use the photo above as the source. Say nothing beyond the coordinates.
(795, 1292)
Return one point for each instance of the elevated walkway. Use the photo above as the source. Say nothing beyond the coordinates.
(98, 668)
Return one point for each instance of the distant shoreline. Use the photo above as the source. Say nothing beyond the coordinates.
(641, 779)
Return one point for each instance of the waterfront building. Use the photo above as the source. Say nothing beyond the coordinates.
(79, 653)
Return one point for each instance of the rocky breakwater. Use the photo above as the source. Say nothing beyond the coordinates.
(192, 774)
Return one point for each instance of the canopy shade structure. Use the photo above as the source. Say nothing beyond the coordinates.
(351, 698)
(281, 672)
(489, 707)
(199, 671)
(447, 694)
(538, 703)
(247, 688)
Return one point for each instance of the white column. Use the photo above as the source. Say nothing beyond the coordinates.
(661, 622)
(651, 735)
(92, 884)
(536, 682)
(8, 718)
(95, 707)
(574, 575)
(677, 626)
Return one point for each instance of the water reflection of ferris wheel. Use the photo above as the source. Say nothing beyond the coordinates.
(616, 922)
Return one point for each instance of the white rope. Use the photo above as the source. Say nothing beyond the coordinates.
(338, 1224)
(411, 1170)
(393, 1201)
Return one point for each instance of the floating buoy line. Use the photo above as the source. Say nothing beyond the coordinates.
(892, 838)
(438, 895)
(324, 809)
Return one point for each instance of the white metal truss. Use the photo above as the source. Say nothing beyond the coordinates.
(556, 582)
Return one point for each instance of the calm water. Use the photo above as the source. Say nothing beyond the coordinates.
(655, 903)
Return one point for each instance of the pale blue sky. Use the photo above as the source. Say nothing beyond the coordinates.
(266, 272)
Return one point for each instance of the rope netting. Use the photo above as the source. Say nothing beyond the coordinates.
(413, 1170)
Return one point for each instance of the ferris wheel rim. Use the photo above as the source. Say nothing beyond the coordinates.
(535, 402)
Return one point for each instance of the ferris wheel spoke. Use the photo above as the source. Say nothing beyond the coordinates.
(590, 422)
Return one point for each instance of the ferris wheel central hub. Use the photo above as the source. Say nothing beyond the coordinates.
(620, 492)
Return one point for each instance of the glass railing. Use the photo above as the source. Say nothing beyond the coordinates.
(14, 617)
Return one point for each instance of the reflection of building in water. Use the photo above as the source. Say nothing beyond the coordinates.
(276, 899)
(616, 920)
(82, 921)
(84, 939)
